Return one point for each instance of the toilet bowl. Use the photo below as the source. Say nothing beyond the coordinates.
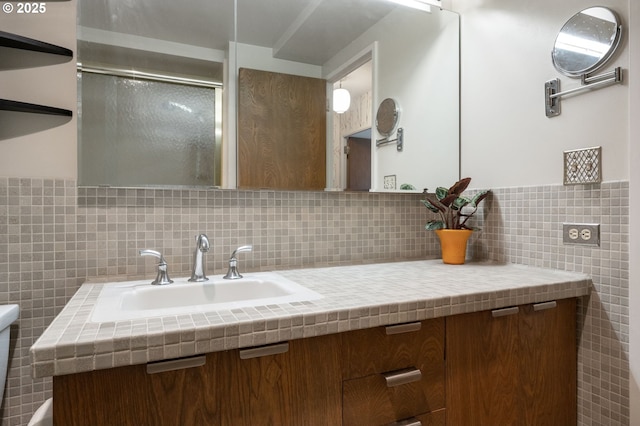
(8, 314)
(43, 415)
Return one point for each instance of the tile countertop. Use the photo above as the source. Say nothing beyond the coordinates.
(355, 297)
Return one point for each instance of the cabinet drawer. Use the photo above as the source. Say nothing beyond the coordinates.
(371, 400)
(436, 418)
(381, 349)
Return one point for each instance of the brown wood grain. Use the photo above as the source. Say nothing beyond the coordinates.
(549, 365)
(367, 353)
(368, 400)
(483, 358)
(300, 387)
(515, 370)
(129, 396)
(372, 351)
(435, 418)
(281, 131)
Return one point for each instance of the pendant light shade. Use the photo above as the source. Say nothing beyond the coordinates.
(341, 100)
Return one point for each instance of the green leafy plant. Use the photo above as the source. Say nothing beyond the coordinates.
(449, 204)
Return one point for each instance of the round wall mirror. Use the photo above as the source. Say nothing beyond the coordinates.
(586, 41)
(387, 117)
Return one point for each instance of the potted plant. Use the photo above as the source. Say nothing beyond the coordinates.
(452, 228)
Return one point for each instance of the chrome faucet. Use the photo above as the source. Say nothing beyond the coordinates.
(232, 273)
(163, 274)
(202, 246)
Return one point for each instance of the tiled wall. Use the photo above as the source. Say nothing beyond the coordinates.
(524, 225)
(54, 236)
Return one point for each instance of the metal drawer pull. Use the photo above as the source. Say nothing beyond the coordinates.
(545, 305)
(403, 328)
(402, 377)
(176, 364)
(278, 348)
(407, 422)
(504, 312)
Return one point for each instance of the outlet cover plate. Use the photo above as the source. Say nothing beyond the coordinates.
(581, 233)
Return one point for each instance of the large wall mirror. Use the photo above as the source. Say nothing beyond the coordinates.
(159, 88)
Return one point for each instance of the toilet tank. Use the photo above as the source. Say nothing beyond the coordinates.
(8, 314)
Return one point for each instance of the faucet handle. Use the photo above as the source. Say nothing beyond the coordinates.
(241, 249)
(162, 277)
(233, 273)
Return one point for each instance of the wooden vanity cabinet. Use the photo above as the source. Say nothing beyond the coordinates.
(514, 366)
(394, 373)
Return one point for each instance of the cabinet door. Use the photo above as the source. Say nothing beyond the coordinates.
(482, 368)
(301, 386)
(129, 396)
(517, 369)
(549, 366)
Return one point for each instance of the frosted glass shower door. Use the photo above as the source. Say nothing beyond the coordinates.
(146, 133)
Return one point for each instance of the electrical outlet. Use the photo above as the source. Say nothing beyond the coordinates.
(581, 233)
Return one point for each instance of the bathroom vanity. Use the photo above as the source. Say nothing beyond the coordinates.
(403, 343)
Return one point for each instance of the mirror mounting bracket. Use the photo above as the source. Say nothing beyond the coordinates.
(399, 140)
(553, 94)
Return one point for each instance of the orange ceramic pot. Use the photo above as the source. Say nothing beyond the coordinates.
(453, 243)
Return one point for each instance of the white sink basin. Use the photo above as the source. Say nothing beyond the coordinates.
(140, 299)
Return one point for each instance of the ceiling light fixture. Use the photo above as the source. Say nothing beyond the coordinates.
(341, 99)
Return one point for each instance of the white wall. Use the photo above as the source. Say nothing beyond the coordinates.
(416, 68)
(260, 58)
(506, 58)
(49, 153)
(415, 62)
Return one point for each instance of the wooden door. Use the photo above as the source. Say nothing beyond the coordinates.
(281, 131)
(483, 358)
(549, 363)
(358, 164)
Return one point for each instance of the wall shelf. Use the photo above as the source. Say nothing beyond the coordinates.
(24, 43)
(15, 106)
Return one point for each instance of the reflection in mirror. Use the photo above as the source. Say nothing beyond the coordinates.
(387, 117)
(412, 56)
(150, 80)
(586, 41)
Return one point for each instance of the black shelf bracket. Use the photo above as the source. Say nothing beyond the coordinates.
(24, 43)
